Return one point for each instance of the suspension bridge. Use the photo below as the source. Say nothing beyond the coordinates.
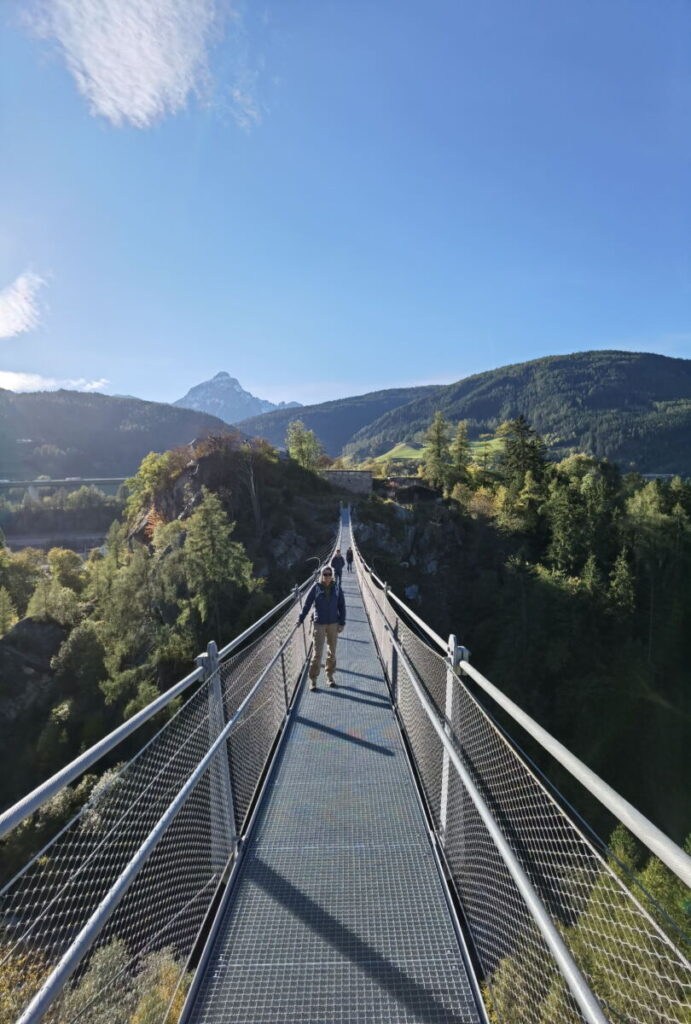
(377, 851)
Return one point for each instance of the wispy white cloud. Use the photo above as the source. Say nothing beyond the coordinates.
(245, 106)
(134, 61)
(19, 308)
(17, 381)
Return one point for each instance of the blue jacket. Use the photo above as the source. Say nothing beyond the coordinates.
(328, 608)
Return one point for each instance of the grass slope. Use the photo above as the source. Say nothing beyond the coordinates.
(410, 452)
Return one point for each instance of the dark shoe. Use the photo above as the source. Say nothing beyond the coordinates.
(313, 684)
(331, 682)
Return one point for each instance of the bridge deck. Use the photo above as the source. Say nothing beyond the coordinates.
(339, 913)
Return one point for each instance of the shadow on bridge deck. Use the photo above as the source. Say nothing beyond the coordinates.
(338, 913)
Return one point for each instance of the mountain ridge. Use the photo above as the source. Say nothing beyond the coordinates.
(334, 431)
(77, 433)
(631, 407)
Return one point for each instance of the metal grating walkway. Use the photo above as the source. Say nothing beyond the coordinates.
(338, 913)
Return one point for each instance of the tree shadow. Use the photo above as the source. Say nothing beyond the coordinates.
(339, 734)
(406, 990)
(340, 692)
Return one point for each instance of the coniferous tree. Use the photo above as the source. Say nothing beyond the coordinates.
(38, 607)
(530, 498)
(680, 493)
(681, 522)
(653, 545)
(437, 459)
(597, 514)
(622, 591)
(564, 513)
(215, 565)
(459, 455)
(591, 578)
(524, 450)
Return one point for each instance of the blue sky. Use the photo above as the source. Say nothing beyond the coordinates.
(326, 197)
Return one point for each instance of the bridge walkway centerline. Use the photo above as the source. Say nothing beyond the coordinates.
(338, 913)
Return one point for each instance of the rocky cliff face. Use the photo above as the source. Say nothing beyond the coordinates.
(283, 514)
(417, 543)
(224, 396)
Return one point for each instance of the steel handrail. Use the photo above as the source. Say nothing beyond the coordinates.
(14, 815)
(661, 845)
(588, 1003)
(676, 859)
(81, 944)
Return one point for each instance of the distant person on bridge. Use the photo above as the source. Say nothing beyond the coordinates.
(337, 563)
(329, 619)
(349, 559)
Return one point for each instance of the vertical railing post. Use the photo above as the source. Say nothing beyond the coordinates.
(298, 597)
(393, 636)
(388, 662)
(452, 660)
(462, 654)
(222, 807)
(393, 668)
(286, 698)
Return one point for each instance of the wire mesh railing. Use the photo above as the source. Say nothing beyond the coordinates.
(550, 919)
(100, 924)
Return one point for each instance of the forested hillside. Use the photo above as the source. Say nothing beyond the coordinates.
(70, 433)
(207, 544)
(571, 585)
(335, 422)
(632, 408)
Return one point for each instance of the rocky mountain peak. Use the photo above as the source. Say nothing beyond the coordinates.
(224, 396)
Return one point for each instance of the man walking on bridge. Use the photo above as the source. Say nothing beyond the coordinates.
(337, 563)
(329, 619)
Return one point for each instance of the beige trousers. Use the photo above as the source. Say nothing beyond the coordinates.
(322, 633)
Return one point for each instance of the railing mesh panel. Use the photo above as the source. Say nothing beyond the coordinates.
(134, 970)
(637, 973)
(252, 738)
(427, 750)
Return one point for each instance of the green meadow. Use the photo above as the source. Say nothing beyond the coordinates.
(410, 451)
